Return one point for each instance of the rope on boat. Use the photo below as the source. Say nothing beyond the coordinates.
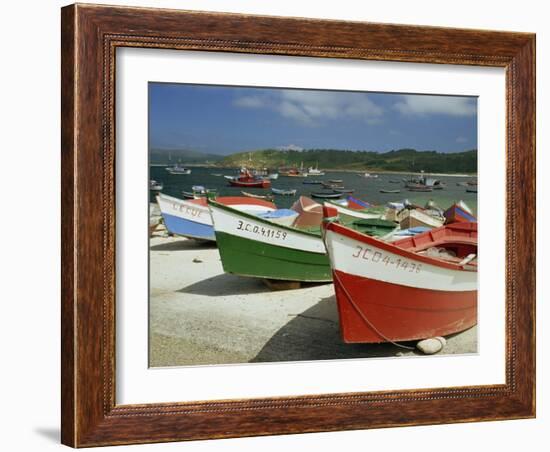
(364, 317)
(348, 296)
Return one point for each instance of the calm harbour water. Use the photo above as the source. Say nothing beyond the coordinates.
(367, 189)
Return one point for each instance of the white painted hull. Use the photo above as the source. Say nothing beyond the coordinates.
(376, 263)
(417, 216)
(353, 213)
(184, 209)
(188, 210)
(264, 231)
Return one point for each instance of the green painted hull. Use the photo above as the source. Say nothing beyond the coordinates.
(251, 258)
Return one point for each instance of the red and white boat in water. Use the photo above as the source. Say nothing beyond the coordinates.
(414, 288)
(248, 180)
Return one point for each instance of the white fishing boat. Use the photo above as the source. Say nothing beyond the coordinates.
(315, 171)
(155, 185)
(410, 218)
(284, 192)
(178, 169)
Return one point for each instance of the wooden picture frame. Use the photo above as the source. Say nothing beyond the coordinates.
(90, 36)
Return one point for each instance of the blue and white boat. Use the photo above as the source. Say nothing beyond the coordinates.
(191, 218)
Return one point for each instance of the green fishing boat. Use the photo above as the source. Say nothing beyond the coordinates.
(375, 227)
(252, 246)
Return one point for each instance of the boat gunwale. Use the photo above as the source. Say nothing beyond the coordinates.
(390, 247)
(261, 220)
(201, 202)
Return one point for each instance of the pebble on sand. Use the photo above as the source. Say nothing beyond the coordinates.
(432, 345)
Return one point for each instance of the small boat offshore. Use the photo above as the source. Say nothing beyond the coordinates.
(178, 170)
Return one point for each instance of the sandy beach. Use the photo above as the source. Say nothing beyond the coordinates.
(201, 315)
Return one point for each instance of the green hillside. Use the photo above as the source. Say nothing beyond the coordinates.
(407, 160)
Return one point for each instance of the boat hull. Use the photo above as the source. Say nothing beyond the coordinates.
(186, 218)
(187, 228)
(413, 218)
(261, 260)
(386, 293)
(310, 213)
(354, 213)
(399, 313)
(456, 214)
(327, 195)
(192, 218)
(250, 246)
(258, 184)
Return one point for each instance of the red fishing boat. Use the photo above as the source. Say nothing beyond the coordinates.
(248, 180)
(415, 288)
(459, 213)
(250, 183)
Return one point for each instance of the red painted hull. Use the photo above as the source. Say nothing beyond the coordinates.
(399, 313)
(236, 200)
(455, 214)
(310, 213)
(251, 184)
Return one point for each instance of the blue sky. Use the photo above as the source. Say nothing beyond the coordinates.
(223, 119)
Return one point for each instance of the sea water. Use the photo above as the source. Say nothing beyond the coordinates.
(367, 189)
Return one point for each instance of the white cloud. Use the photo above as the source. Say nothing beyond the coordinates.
(292, 111)
(312, 107)
(461, 139)
(426, 105)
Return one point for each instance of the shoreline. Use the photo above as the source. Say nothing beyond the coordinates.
(331, 170)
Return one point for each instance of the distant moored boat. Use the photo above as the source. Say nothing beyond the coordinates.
(331, 195)
(246, 179)
(284, 192)
(155, 185)
(315, 171)
(178, 169)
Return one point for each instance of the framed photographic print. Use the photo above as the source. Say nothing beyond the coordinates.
(282, 225)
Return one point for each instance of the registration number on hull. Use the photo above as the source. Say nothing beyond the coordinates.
(190, 211)
(261, 230)
(389, 260)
